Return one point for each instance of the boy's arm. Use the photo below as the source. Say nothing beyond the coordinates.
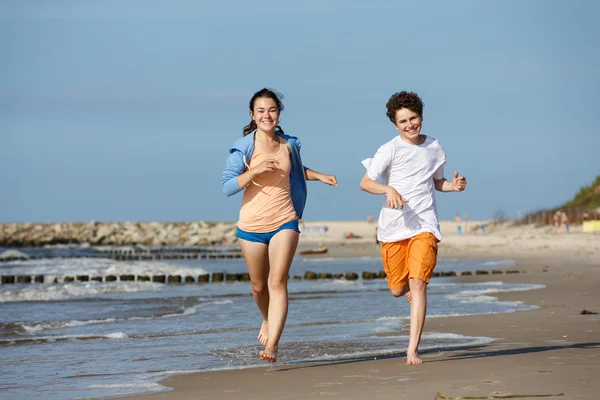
(394, 199)
(458, 184)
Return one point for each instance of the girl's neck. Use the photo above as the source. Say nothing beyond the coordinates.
(266, 135)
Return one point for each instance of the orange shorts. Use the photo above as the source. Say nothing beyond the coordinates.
(410, 258)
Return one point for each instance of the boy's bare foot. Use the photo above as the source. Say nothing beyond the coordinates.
(268, 355)
(405, 291)
(412, 358)
(263, 334)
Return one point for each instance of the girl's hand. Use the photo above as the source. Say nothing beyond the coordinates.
(269, 165)
(328, 179)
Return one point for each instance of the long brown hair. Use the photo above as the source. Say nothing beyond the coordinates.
(270, 94)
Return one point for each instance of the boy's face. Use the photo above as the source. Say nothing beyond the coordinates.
(409, 124)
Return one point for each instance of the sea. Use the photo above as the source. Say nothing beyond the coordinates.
(80, 340)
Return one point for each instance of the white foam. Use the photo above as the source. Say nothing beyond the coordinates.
(479, 295)
(12, 254)
(499, 263)
(96, 267)
(191, 310)
(117, 335)
(318, 260)
(52, 339)
(141, 385)
(56, 325)
(50, 292)
(62, 324)
(67, 246)
(451, 337)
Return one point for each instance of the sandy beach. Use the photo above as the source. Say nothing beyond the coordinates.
(552, 351)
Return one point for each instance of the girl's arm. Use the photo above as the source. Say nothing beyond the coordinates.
(311, 175)
(234, 168)
(235, 175)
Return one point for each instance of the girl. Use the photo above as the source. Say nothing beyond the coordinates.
(267, 164)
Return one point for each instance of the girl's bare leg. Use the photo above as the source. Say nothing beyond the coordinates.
(281, 253)
(257, 260)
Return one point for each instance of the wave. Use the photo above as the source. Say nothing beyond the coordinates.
(52, 339)
(67, 291)
(57, 267)
(28, 328)
(480, 295)
(433, 341)
(499, 263)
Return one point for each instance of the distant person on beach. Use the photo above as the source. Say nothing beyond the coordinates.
(564, 221)
(556, 221)
(458, 225)
(266, 164)
(411, 167)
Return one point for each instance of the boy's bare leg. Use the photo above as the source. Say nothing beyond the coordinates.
(257, 259)
(418, 309)
(281, 253)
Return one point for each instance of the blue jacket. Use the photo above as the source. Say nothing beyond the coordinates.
(240, 155)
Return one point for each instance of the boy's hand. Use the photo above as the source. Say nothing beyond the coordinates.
(394, 199)
(459, 183)
(328, 179)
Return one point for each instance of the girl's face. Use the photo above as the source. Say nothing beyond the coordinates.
(409, 124)
(265, 114)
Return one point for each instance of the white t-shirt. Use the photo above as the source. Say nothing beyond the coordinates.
(410, 170)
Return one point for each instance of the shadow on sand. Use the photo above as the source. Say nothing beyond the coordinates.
(464, 352)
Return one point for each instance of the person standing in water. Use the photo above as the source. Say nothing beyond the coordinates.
(411, 167)
(266, 164)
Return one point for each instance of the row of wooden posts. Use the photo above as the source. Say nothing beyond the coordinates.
(221, 277)
(160, 250)
(175, 256)
(140, 256)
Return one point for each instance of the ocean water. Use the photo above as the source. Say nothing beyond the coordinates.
(90, 339)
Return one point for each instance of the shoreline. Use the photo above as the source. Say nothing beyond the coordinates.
(546, 351)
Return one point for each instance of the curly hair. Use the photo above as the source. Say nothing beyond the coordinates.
(409, 100)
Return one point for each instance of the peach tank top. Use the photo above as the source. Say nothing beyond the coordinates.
(268, 206)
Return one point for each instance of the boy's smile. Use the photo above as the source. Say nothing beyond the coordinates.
(409, 124)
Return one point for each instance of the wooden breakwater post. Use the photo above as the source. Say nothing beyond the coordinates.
(217, 277)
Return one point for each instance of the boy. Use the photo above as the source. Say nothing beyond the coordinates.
(412, 168)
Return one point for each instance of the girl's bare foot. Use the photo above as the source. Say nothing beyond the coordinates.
(269, 355)
(408, 296)
(263, 334)
(412, 357)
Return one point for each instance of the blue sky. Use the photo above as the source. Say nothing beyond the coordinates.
(114, 111)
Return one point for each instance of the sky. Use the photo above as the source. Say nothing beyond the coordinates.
(125, 111)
